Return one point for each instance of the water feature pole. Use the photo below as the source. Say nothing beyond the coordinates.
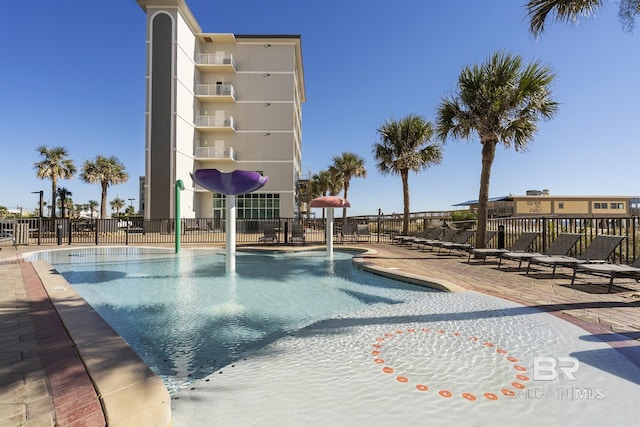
(230, 184)
(329, 231)
(329, 202)
(230, 228)
(179, 187)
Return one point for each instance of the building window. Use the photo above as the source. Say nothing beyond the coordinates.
(617, 206)
(600, 205)
(560, 205)
(250, 206)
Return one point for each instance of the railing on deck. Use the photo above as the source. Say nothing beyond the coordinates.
(138, 231)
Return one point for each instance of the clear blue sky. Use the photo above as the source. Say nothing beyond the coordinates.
(73, 74)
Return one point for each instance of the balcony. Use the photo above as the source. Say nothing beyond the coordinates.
(215, 123)
(215, 153)
(216, 93)
(221, 62)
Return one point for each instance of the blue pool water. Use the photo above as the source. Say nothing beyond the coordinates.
(304, 340)
(186, 317)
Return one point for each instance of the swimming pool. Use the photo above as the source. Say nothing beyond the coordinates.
(186, 317)
(382, 352)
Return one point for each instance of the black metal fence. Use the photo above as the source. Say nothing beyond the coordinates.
(381, 229)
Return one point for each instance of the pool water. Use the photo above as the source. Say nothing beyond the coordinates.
(298, 339)
(186, 317)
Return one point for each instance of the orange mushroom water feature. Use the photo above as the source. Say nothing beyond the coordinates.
(329, 203)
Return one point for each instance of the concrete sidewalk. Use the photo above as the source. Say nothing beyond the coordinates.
(41, 385)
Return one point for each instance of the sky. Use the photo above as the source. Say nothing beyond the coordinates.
(73, 75)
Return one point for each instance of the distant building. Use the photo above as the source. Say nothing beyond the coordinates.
(538, 203)
(223, 101)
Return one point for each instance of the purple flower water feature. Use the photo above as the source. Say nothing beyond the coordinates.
(236, 182)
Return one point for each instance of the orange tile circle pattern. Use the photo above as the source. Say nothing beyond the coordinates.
(506, 390)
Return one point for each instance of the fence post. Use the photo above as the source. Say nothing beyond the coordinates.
(59, 233)
(501, 236)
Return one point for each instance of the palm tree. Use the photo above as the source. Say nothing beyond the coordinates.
(54, 165)
(501, 101)
(63, 194)
(105, 171)
(347, 166)
(405, 147)
(572, 10)
(117, 204)
(92, 206)
(322, 183)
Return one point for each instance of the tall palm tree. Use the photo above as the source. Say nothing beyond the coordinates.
(105, 171)
(54, 165)
(117, 204)
(404, 147)
(347, 166)
(501, 101)
(571, 10)
(63, 194)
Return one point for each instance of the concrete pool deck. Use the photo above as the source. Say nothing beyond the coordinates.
(48, 378)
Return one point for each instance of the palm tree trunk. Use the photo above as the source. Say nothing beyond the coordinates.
(344, 210)
(103, 202)
(404, 175)
(54, 184)
(488, 154)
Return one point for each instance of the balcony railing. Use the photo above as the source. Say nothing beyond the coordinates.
(216, 90)
(221, 123)
(216, 153)
(220, 59)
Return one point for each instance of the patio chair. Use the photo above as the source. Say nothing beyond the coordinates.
(522, 244)
(349, 233)
(448, 236)
(297, 234)
(459, 239)
(362, 233)
(610, 270)
(269, 234)
(6, 236)
(562, 245)
(597, 251)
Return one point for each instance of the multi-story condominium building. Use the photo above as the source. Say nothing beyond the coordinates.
(224, 101)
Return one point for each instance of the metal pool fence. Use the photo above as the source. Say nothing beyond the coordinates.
(372, 229)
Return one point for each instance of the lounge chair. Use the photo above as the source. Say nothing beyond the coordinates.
(522, 244)
(297, 234)
(462, 238)
(610, 270)
(489, 235)
(6, 236)
(269, 234)
(362, 233)
(598, 251)
(429, 235)
(562, 245)
(448, 236)
(428, 232)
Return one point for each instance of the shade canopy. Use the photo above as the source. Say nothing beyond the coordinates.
(236, 182)
(330, 202)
